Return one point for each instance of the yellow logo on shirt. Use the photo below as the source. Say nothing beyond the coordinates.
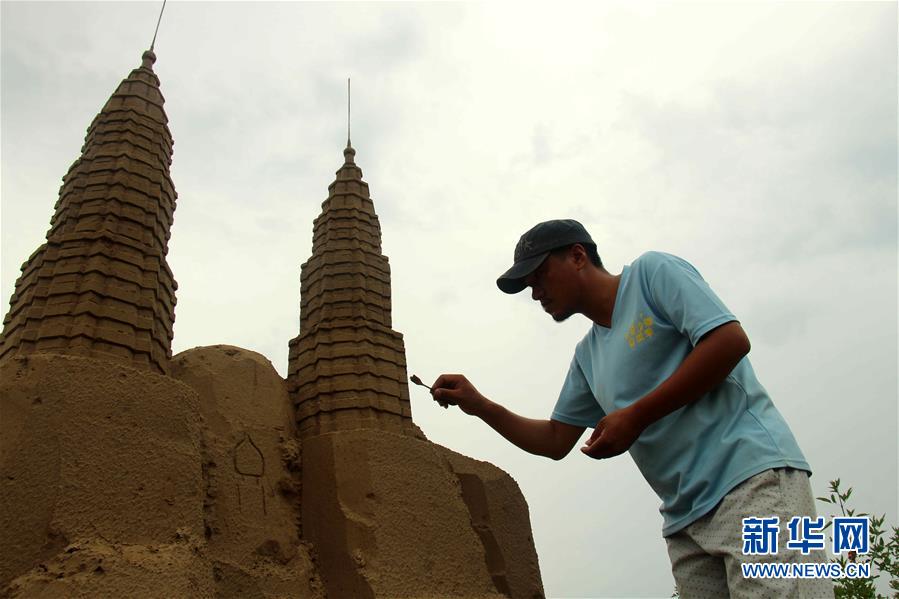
(639, 331)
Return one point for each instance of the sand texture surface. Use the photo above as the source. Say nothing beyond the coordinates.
(386, 515)
(119, 481)
(251, 471)
(92, 450)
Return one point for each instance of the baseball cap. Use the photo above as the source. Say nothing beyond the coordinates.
(535, 245)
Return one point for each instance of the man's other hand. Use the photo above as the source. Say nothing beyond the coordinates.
(613, 435)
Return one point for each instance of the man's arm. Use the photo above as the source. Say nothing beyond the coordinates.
(704, 368)
(549, 438)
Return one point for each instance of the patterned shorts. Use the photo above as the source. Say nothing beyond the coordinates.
(706, 555)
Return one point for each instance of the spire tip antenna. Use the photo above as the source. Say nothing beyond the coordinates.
(153, 43)
(348, 112)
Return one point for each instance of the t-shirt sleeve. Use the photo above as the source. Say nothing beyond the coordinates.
(576, 404)
(682, 296)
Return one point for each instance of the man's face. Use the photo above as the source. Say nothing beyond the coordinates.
(551, 285)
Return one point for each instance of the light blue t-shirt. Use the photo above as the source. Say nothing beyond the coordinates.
(694, 456)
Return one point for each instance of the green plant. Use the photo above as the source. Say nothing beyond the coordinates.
(883, 554)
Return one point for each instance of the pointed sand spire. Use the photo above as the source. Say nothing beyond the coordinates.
(100, 285)
(347, 367)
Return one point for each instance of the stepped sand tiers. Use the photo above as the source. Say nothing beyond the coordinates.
(347, 367)
(100, 285)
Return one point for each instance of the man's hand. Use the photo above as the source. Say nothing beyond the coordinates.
(456, 390)
(548, 438)
(613, 435)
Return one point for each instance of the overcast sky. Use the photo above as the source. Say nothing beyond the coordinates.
(758, 141)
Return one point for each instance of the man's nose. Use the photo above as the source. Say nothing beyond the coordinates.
(536, 293)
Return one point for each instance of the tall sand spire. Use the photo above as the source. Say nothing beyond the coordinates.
(347, 367)
(100, 285)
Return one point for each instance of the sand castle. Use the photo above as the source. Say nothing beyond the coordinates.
(126, 471)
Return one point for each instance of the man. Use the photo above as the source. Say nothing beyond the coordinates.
(662, 373)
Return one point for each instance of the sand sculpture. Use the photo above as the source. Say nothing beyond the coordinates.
(125, 471)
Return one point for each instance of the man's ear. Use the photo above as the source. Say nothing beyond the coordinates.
(579, 253)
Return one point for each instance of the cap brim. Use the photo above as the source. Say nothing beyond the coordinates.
(512, 281)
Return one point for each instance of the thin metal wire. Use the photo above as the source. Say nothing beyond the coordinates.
(348, 111)
(153, 43)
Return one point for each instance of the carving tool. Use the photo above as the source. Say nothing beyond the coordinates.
(414, 378)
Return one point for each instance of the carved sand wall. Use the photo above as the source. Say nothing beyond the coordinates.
(498, 512)
(98, 456)
(347, 367)
(251, 467)
(100, 285)
(388, 519)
